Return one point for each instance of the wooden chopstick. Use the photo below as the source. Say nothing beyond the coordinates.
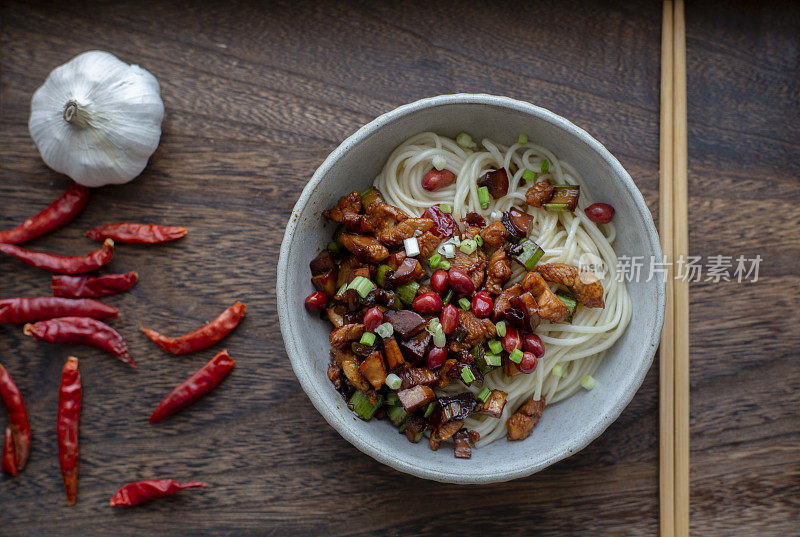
(666, 382)
(681, 285)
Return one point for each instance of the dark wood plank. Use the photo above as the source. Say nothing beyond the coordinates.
(256, 97)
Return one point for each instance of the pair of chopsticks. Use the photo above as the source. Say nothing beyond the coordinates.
(673, 222)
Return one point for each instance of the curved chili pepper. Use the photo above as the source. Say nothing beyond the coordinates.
(136, 233)
(145, 491)
(32, 309)
(17, 417)
(82, 331)
(8, 463)
(92, 286)
(190, 390)
(202, 338)
(63, 264)
(57, 214)
(69, 410)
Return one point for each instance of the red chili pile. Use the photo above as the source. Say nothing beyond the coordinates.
(72, 316)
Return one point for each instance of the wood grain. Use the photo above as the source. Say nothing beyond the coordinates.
(256, 97)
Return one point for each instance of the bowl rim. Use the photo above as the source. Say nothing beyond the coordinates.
(306, 378)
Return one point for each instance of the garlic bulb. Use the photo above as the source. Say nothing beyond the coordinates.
(97, 119)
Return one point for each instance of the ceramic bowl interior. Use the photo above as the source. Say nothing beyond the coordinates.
(566, 427)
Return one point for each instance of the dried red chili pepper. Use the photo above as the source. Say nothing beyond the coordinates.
(190, 390)
(57, 214)
(92, 286)
(82, 331)
(17, 417)
(8, 463)
(136, 233)
(69, 409)
(32, 309)
(63, 264)
(146, 491)
(202, 338)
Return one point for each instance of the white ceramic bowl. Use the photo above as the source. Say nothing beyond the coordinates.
(566, 427)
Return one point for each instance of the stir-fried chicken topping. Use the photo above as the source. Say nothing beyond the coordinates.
(521, 424)
(584, 285)
(539, 194)
(498, 271)
(348, 205)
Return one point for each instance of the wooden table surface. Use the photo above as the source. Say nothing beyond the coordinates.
(256, 97)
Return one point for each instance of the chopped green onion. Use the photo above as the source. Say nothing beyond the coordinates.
(515, 356)
(429, 410)
(523, 139)
(444, 264)
(392, 399)
(362, 285)
(341, 290)
(380, 276)
(465, 140)
(480, 363)
(529, 255)
(417, 438)
(545, 166)
(360, 404)
(484, 197)
(367, 338)
(334, 247)
(464, 303)
(439, 162)
(588, 382)
(468, 246)
(479, 240)
(385, 330)
(439, 339)
(393, 381)
(493, 359)
(434, 326)
(448, 297)
(528, 175)
(397, 414)
(495, 346)
(556, 207)
(568, 301)
(467, 375)
(407, 292)
(500, 328)
(434, 260)
(445, 208)
(484, 395)
(557, 370)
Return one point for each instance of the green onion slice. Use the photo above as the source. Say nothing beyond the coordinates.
(500, 328)
(444, 264)
(465, 140)
(468, 246)
(515, 356)
(367, 338)
(528, 175)
(429, 410)
(407, 292)
(484, 395)
(385, 330)
(484, 198)
(464, 303)
(393, 381)
(557, 370)
(493, 359)
(360, 404)
(545, 166)
(445, 208)
(588, 382)
(435, 260)
(467, 375)
(362, 285)
(523, 139)
(495, 346)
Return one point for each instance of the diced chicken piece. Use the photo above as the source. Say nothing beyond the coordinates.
(550, 306)
(472, 264)
(447, 372)
(523, 421)
(351, 371)
(374, 369)
(347, 265)
(445, 431)
(324, 262)
(539, 194)
(335, 314)
(463, 450)
(428, 242)
(494, 404)
(584, 285)
(503, 300)
(471, 232)
(345, 334)
(326, 282)
(349, 204)
(478, 330)
(498, 271)
(495, 235)
(358, 223)
(406, 229)
(394, 358)
(415, 397)
(364, 247)
(418, 375)
(415, 425)
(335, 375)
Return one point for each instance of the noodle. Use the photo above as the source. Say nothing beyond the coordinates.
(566, 237)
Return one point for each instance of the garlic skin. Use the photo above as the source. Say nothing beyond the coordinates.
(97, 119)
